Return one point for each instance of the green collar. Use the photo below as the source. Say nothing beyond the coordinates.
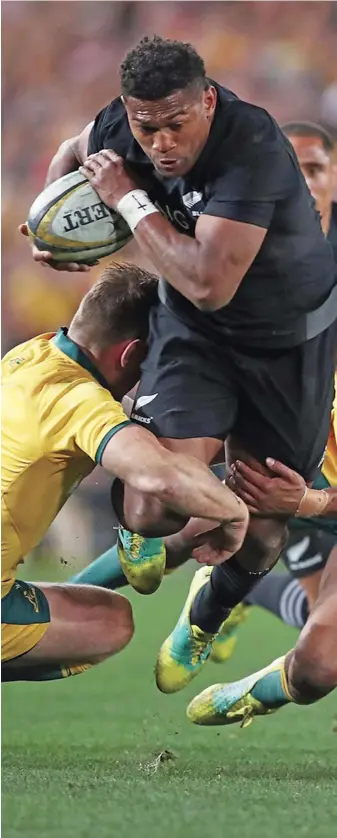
(74, 351)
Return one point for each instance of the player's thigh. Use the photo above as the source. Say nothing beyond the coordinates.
(206, 449)
(86, 624)
(187, 391)
(318, 639)
(285, 402)
(266, 537)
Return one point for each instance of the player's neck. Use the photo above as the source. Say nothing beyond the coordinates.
(93, 352)
(326, 220)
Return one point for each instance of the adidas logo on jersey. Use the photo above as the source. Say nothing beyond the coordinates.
(191, 199)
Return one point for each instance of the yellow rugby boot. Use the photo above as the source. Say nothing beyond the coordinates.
(225, 642)
(142, 560)
(187, 648)
(259, 694)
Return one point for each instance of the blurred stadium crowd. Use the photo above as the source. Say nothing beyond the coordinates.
(60, 66)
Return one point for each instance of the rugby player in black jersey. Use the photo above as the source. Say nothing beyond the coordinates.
(309, 671)
(242, 341)
(310, 544)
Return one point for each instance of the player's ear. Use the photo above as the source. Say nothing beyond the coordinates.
(210, 98)
(134, 353)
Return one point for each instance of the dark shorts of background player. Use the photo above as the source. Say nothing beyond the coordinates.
(308, 550)
(310, 541)
(277, 402)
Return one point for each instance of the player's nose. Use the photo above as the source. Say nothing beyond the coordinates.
(163, 142)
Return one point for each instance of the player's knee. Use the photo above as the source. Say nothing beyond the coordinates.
(117, 624)
(144, 514)
(122, 622)
(264, 542)
(314, 665)
(151, 520)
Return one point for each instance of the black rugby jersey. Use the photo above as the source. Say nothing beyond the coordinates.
(332, 234)
(247, 171)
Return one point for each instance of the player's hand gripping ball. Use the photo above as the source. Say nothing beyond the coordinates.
(69, 221)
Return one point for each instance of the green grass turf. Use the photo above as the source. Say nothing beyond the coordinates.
(77, 754)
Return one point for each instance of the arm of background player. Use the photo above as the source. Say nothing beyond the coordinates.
(283, 493)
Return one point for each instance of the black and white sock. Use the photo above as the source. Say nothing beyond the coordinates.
(283, 596)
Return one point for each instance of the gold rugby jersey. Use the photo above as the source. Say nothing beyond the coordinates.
(57, 417)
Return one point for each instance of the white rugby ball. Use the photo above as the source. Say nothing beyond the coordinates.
(69, 219)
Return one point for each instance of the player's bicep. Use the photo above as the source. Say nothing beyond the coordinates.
(227, 250)
(91, 416)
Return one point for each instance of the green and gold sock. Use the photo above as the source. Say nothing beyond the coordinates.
(105, 571)
(272, 688)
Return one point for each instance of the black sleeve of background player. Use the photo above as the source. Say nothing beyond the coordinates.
(248, 190)
(96, 141)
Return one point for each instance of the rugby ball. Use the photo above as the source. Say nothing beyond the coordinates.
(69, 219)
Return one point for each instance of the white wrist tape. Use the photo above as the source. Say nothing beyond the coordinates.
(135, 206)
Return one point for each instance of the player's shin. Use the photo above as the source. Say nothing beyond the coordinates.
(231, 582)
(228, 585)
(105, 571)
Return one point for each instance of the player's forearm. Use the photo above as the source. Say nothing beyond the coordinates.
(180, 482)
(331, 508)
(191, 489)
(320, 503)
(64, 161)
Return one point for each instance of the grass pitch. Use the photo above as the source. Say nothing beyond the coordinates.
(81, 758)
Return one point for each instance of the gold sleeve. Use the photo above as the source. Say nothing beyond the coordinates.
(86, 416)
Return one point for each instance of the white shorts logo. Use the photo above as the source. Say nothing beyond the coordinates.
(144, 419)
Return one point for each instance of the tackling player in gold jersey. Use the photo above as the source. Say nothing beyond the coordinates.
(61, 415)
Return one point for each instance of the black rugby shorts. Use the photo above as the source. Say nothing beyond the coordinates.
(277, 402)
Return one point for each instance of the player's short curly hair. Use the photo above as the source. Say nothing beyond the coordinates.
(157, 67)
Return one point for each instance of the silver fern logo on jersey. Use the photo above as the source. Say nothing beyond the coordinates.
(139, 403)
(143, 400)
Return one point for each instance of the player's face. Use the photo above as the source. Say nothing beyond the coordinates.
(318, 169)
(173, 131)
